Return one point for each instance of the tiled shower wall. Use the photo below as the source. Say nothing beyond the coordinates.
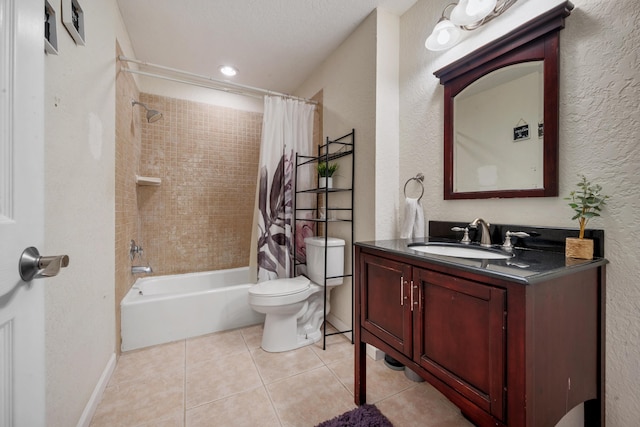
(128, 144)
(200, 217)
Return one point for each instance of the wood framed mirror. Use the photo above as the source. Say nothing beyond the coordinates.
(501, 114)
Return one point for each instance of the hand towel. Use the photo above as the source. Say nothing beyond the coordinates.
(413, 219)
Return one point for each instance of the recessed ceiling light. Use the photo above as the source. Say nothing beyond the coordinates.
(228, 70)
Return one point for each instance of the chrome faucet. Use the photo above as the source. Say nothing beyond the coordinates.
(141, 269)
(485, 240)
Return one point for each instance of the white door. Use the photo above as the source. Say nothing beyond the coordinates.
(22, 374)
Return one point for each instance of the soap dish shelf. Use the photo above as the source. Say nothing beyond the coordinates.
(147, 180)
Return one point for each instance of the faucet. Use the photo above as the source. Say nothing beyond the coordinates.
(141, 269)
(486, 235)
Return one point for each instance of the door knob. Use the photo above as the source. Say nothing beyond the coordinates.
(33, 266)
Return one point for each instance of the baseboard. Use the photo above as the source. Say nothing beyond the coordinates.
(96, 396)
(374, 353)
(339, 325)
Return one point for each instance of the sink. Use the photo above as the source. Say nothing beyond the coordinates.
(458, 251)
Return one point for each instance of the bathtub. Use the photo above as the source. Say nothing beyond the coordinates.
(162, 309)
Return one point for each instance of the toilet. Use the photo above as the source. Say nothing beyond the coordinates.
(294, 306)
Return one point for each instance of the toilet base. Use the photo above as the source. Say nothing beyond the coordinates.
(280, 334)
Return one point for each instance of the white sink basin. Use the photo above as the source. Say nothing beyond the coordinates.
(460, 251)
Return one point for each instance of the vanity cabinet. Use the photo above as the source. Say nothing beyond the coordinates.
(460, 336)
(506, 353)
(384, 282)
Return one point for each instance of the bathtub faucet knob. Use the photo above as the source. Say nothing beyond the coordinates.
(134, 249)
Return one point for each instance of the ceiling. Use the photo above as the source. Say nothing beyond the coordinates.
(275, 44)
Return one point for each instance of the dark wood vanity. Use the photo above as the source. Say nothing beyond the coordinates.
(514, 342)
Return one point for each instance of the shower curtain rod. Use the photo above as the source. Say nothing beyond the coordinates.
(224, 86)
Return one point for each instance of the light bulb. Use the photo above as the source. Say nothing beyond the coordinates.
(443, 37)
(473, 6)
(228, 70)
(470, 12)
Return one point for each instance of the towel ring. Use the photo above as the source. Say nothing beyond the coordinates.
(419, 178)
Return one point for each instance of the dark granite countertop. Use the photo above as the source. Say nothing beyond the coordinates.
(527, 266)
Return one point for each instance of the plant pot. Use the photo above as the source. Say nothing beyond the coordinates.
(579, 248)
(325, 182)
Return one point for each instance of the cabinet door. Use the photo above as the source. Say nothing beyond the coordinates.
(460, 337)
(386, 303)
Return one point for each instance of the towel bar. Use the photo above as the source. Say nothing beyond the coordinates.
(419, 178)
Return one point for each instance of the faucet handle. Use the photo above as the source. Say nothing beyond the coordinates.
(507, 238)
(465, 239)
(134, 249)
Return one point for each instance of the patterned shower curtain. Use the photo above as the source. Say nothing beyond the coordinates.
(287, 129)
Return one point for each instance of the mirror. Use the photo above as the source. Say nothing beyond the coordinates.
(501, 115)
(498, 131)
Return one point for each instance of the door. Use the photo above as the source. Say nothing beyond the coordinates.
(386, 301)
(22, 378)
(460, 337)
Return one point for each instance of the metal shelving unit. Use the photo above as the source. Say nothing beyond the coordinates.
(330, 151)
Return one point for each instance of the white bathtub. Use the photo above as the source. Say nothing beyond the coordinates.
(162, 309)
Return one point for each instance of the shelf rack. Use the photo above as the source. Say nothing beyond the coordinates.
(331, 150)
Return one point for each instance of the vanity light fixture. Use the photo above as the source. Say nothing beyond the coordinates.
(465, 15)
(228, 70)
(445, 34)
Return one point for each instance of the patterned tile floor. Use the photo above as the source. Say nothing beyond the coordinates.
(226, 379)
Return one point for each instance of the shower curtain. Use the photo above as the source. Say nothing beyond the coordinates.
(287, 129)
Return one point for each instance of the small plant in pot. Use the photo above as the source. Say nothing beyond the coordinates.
(325, 172)
(587, 202)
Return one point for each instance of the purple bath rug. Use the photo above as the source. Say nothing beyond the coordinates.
(362, 416)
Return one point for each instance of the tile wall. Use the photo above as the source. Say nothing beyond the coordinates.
(200, 217)
(128, 144)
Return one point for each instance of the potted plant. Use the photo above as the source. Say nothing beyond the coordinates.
(325, 172)
(587, 202)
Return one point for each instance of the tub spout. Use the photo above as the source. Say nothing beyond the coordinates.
(141, 269)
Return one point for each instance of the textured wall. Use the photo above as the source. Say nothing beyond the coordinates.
(347, 81)
(599, 133)
(79, 206)
(200, 217)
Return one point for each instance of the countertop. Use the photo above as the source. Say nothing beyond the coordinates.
(527, 266)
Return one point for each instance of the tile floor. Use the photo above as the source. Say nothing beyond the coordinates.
(226, 379)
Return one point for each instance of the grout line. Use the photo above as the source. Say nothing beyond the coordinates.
(275, 410)
(339, 380)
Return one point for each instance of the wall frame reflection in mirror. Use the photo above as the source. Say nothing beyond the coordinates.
(501, 114)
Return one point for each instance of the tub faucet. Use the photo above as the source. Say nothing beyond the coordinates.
(141, 269)
(486, 235)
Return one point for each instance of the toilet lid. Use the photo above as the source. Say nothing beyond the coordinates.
(289, 286)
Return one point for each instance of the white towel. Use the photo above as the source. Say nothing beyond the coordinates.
(413, 220)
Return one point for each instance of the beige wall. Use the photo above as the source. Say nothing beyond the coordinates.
(349, 79)
(79, 206)
(200, 217)
(599, 134)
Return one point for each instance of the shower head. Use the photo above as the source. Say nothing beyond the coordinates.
(152, 115)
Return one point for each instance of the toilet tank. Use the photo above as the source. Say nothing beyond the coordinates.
(315, 259)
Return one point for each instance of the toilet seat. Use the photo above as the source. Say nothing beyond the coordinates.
(280, 291)
(281, 287)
